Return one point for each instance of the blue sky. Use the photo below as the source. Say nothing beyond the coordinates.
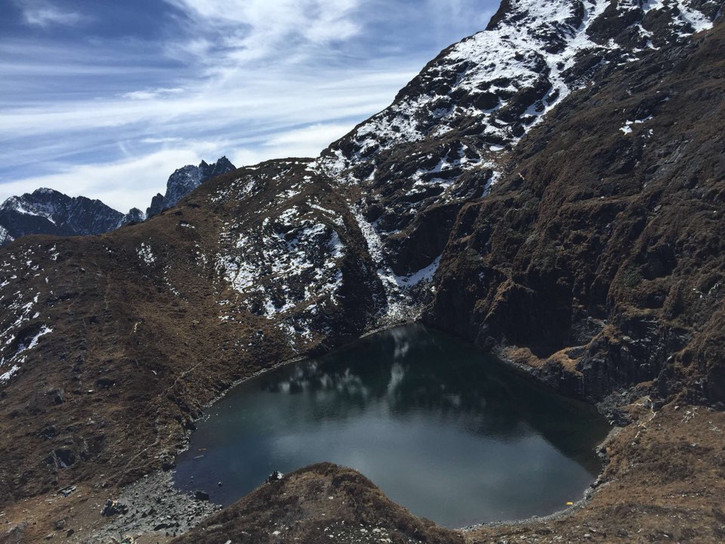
(105, 99)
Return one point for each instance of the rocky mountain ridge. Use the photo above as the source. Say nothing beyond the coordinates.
(46, 211)
(594, 261)
(599, 282)
(445, 138)
(184, 180)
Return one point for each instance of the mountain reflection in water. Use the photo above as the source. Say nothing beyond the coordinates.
(443, 429)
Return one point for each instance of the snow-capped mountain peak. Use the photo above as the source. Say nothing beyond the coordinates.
(456, 120)
(532, 54)
(47, 211)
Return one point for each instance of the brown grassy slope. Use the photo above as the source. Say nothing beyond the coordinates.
(665, 482)
(605, 248)
(320, 503)
(139, 347)
(122, 352)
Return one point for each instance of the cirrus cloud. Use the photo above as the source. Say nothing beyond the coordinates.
(44, 14)
(251, 79)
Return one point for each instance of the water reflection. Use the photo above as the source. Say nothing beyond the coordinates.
(430, 372)
(449, 433)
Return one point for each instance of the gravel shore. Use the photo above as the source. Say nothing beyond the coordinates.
(152, 504)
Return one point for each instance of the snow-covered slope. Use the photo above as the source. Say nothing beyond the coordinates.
(445, 138)
(497, 83)
(290, 253)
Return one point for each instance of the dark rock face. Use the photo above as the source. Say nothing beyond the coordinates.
(444, 141)
(184, 180)
(201, 496)
(603, 254)
(46, 211)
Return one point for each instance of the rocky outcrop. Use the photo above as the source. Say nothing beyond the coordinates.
(292, 254)
(602, 256)
(134, 215)
(184, 180)
(288, 509)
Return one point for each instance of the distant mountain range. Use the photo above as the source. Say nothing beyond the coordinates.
(551, 189)
(46, 211)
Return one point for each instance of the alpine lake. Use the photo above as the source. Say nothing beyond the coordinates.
(443, 429)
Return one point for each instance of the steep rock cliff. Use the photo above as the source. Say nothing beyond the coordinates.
(600, 251)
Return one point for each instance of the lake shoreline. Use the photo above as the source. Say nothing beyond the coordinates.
(178, 504)
(493, 396)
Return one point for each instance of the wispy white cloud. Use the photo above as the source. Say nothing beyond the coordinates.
(44, 14)
(167, 140)
(248, 30)
(252, 79)
(302, 142)
(268, 101)
(148, 94)
(120, 184)
(319, 135)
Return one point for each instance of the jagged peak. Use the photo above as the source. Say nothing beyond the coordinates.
(499, 82)
(186, 179)
(47, 191)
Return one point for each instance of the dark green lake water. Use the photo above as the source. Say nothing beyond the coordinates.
(448, 432)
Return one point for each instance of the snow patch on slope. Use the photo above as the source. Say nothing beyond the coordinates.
(25, 206)
(289, 262)
(21, 335)
(146, 254)
(400, 306)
